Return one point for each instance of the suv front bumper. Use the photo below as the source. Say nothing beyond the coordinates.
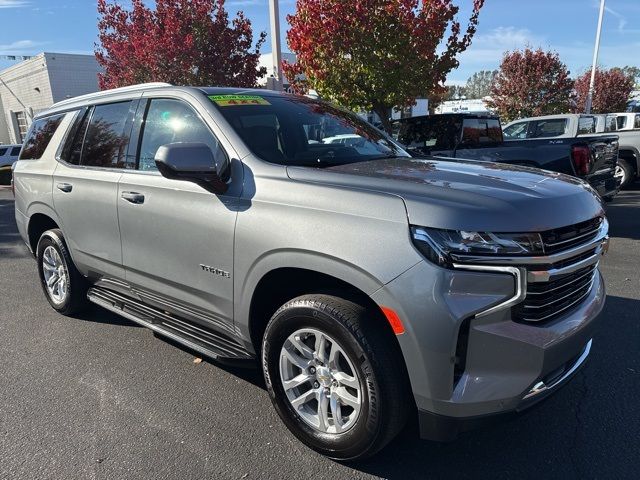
(465, 369)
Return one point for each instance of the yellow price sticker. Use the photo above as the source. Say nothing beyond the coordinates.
(238, 100)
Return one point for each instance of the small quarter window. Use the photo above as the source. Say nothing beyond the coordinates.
(39, 136)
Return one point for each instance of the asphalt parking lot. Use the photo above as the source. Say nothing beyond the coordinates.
(98, 397)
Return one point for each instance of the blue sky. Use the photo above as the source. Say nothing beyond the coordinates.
(567, 26)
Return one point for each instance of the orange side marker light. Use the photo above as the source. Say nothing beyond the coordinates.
(394, 320)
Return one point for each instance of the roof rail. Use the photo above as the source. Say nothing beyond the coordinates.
(129, 88)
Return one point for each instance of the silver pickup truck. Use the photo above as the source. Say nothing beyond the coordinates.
(371, 287)
(579, 125)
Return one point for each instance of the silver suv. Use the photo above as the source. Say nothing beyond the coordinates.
(372, 287)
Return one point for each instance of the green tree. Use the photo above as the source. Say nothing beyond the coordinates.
(479, 84)
(376, 54)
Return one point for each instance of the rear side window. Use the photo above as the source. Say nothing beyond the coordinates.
(636, 123)
(481, 131)
(171, 121)
(548, 128)
(3, 151)
(15, 151)
(586, 125)
(39, 136)
(105, 141)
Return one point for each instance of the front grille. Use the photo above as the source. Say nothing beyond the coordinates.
(546, 300)
(563, 238)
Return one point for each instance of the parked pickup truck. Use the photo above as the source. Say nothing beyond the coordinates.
(480, 137)
(581, 126)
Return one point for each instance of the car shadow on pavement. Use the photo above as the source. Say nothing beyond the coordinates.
(623, 216)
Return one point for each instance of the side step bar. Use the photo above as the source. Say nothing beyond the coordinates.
(202, 340)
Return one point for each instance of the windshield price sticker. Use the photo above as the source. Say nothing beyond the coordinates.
(236, 100)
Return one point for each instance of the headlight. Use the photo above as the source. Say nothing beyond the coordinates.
(438, 245)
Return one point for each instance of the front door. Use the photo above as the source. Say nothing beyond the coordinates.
(177, 238)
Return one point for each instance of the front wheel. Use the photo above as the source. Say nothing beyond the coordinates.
(335, 376)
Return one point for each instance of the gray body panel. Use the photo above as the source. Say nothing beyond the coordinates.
(349, 222)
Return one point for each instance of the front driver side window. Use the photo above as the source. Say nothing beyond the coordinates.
(517, 130)
(173, 121)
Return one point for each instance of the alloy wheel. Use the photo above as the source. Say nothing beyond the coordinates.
(55, 275)
(320, 381)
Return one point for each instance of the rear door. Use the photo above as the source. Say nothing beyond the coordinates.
(177, 238)
(85, 185)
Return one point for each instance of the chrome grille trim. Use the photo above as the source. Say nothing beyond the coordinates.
(586, 274)
(532, 302)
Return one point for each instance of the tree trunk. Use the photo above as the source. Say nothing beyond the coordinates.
(384, 113)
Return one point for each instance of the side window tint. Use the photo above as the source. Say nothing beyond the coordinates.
(73, 148)
(105, 143)
(172, 121)
(39, 136)
(517, 130)
(548, 128)
(586, 125)
(15, 151)
(3, 151)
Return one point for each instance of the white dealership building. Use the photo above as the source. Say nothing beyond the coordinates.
(33, 85)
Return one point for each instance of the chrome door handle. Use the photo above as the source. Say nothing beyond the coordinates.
(133, 197)
(65, 187)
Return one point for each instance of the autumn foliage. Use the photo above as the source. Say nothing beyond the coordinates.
(531, 83)
(376, 54)
(183, 42)
(610, 94)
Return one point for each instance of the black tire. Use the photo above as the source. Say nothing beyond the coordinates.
(628, 173)
(75, 298)
(376, 357)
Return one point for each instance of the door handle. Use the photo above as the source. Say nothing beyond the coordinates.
(133, 197)
(65, 187)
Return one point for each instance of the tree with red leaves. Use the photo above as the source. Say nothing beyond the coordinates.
(531, 83)
(183, 42)
(610, 94)
(376, 54)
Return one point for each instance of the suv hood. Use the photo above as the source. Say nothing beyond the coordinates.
(469, 195)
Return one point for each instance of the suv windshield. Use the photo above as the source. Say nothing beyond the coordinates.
(295, 130)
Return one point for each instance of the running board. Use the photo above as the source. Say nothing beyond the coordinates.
(202, 340)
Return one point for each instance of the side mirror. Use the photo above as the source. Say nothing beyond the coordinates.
(192, 162)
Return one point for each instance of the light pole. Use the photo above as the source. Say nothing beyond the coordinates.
(276, 49)
(587, 107)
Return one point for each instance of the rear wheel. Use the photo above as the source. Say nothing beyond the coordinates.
(334, 377)
(64, 287)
